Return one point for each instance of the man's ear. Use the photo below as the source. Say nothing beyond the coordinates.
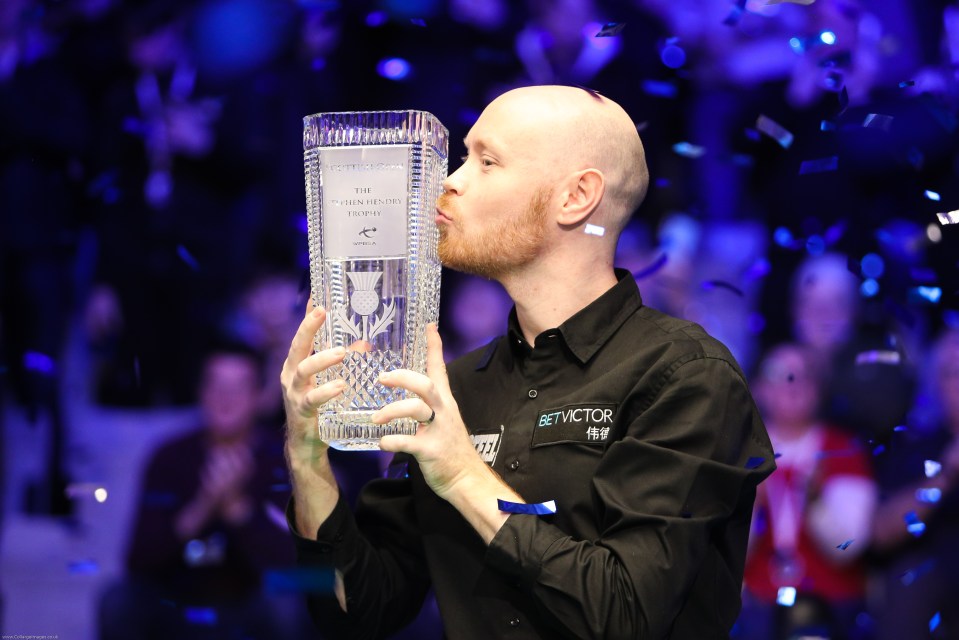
(583, 193)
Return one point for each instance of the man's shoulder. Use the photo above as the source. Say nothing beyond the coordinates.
(675, 340)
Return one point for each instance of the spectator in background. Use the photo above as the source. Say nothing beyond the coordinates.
(209, 523)
(820, 497)
(867, 379)
(917, 523)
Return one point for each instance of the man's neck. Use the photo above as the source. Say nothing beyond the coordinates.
(546, 298)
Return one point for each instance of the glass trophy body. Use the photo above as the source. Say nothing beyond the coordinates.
(372, 180)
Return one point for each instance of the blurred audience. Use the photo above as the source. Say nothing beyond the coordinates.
(210, 523)
(917, 523)
(804, 573)
(868, 379)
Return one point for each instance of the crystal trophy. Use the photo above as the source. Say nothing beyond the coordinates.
(372, 180)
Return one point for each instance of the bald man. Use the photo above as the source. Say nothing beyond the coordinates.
(639, 427)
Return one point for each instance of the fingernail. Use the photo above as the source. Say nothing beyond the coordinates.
(317, 312)
(339, 352)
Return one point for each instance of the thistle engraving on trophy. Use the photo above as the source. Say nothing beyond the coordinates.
(364, 301)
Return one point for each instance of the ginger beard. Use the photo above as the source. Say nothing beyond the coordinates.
(497, 248)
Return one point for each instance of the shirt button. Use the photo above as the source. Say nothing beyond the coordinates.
(514, 465)
(514, 622)
(532, 393)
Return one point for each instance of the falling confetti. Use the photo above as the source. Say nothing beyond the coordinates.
(877, 121)
(930, 495)
(720, 284)
(878, 357)
(819, 166)
(660, 88)
(754, 462)
(907, 83)
(932, 468)
(611, 29)
(930, 295)
(843, 99)
(419, 22)
(85, 567)
(827, 125)
(786, 596)
(932, 195)
(914, 525)
(186, 257)
(200, 616)
(844, 545)
(950, 217)
(689, 150)
(934, 621)
(775, 131)
(538, 509)
(657, 264)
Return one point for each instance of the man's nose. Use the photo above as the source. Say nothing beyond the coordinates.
(453, 182)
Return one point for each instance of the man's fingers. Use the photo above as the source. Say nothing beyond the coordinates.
(320, 361)
(398, 443)
(302, 343)
(409, 408)
(315, 398)
(435, 363)
(412, 381)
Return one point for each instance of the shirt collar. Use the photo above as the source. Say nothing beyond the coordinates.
(592, 326)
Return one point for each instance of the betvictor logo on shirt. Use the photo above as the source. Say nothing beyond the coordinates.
(586, 423)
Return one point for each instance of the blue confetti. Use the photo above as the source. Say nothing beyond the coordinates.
(900, 428)
(915, 157)
(930, 295)
(657, 264)
(397, 470)
(39, 362)
(878, 357)
(869, 288)
(932, 468)
(877, 121)
(299, 580)
(187, 257)
(910, 576)
(934, 621)
(775, 131)
(879, 450)
(914, 525)
(843, 99)
(689, 150)
(844, 545)
(754, 462)
(819, 165)
(826, 125)
(200, 616)
(393, 68)
(709, 285)
(537, 509)
(923, 274)
(907, 83)
(660, 88)
(932, 195)
(419, 22)
(610, 29)
(930, 495)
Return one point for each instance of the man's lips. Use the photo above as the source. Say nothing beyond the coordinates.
(442, 217)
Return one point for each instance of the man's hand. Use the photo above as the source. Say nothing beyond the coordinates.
(442, 446)
(314, 488)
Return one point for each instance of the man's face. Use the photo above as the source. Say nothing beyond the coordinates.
(228, 395)
(493, 216)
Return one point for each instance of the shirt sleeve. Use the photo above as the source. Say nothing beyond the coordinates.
(379, 554)
(673, 501)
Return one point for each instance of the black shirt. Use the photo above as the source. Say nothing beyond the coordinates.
(641, 428)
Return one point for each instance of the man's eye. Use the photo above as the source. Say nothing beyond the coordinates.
(487, 162)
